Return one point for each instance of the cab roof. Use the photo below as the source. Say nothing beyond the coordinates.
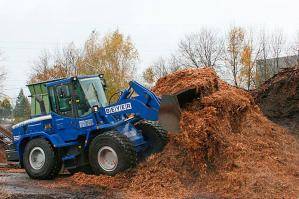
(64, 79)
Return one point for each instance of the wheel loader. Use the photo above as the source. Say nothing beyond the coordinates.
(73, 126)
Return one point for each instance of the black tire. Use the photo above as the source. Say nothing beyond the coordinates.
(52, 164)
(122, 146)
(155, 135)
(85, 169)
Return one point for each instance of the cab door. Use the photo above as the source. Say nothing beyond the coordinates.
(64, 116)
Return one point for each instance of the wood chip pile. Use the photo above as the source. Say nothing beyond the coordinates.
(226, 149)
(279, 96)
(2, 153)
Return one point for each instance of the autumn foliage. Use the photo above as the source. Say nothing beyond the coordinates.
(114, 55)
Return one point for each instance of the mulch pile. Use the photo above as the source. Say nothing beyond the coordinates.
(2, 153)
(226, 149)
(279, 98)
(2, 146)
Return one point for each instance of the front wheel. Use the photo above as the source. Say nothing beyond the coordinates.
(111, 152)
(154, 135)
(40, 159)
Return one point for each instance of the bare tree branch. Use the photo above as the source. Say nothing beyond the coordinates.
(276, 45)
(204, 48)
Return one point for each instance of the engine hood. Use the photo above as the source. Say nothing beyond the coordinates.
(33, 120)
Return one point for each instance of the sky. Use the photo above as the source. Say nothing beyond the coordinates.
(156, 26)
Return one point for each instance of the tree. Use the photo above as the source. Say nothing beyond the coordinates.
(250, 53)
(235, 44)
(276, 45)
(246, 70)
(149, 76)
(41, 68)
(2, 76)
(5, 108)
(62, 64)
(264, 72)
(22, 108)
(159, 69)
(68, 59)
(204, 48)
(293, 49)
(114, 55)
(296, 48)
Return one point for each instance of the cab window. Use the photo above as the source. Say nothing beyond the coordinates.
(83, 108)
(61, 100)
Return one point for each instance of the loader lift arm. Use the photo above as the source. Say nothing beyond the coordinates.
(144, 104)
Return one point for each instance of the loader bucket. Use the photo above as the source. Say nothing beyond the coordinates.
(170, 112)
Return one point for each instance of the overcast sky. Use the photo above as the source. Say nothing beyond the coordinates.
(155, 26)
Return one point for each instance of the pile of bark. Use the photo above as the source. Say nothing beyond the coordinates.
(278, 98)
(226, 149)
(2, 153)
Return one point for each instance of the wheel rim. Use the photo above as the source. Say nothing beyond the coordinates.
(107, 158)
(37, 158)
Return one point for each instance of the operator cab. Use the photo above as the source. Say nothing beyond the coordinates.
(70, 97)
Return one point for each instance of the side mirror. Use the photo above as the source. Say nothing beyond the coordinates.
(103, 81)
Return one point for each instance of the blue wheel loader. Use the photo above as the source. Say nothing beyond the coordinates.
(72, 125)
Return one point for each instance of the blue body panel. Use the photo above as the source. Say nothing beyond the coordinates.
(65, 132)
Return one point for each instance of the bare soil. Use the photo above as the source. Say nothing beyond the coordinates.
(15, 184)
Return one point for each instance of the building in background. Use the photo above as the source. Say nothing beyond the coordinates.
(266, 69)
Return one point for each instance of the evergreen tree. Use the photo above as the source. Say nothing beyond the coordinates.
(22, 108)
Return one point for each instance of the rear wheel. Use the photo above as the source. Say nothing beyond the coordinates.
(155, 136)
(111, 152)
(40, 160)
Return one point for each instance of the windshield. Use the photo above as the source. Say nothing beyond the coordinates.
(94, 92)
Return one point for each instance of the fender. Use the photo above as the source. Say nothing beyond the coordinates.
(54, 139)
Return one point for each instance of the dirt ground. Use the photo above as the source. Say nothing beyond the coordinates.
(15, 183)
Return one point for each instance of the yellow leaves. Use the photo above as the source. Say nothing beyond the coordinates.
(5, 103)
(149, 75)
(54, 72)
(236, 38)
(114, 55)
(247, 68)
(246, 56)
